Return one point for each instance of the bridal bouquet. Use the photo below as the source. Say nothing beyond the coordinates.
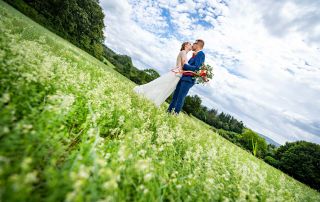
(204, 74)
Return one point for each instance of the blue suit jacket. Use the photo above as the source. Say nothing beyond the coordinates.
(194, 64)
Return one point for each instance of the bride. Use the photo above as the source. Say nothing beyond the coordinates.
(161, 88)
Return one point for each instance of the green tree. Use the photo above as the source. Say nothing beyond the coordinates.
(151, 74)
(79, 21)
(192, 105)
(301, 160)
(254, 143)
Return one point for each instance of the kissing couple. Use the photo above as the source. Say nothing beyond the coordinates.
(178, 79)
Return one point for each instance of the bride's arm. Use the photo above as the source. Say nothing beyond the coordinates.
(183, 60)
(182, 63)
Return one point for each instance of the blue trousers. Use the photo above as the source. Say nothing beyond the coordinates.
(179, 95)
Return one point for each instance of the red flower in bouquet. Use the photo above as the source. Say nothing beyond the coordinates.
(203, 73)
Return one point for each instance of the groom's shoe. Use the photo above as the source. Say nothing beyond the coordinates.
(172, 112)
(175, 113)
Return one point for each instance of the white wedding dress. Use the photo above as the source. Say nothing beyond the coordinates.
(161, 88)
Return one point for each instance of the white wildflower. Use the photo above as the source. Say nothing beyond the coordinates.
(147, 177)
(101, 162)
(121, 120)
(78, 184)
(71, 196)
(110, 185)
(83, 172)
(107, 156)
(26, 128)
(5, 98)
(161, 148)
(122, 153)
(31, 177)
(130, 156)
(105, 172)
(60, 102)
(4, 159)
(142, 152)
(91, 132)
(143, 164)
(107, 199)
(26, 163)
(67, 101)
(141, 187)
(174, 174)
(210, 181)
(5, 130)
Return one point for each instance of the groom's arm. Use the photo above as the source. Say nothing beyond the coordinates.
(199, 60)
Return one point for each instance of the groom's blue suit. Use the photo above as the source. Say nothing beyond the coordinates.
(186, 82)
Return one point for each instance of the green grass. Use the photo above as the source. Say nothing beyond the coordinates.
(71, 129)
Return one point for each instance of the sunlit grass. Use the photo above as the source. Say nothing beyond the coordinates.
(72, 129)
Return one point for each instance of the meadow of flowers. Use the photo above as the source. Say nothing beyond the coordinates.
(72, 129)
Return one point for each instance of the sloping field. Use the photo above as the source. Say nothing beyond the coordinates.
(71, 129)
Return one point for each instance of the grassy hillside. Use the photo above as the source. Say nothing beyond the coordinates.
(71, 129)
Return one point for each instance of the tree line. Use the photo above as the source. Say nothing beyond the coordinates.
(79, 21)
(124, 66)
(82, 23)
(193, 105)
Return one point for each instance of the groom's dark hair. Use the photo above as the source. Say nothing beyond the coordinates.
(200, 42)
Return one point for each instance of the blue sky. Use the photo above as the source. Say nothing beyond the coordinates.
(265, 55)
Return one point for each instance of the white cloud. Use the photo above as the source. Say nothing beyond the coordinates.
(126, 36)
(267, 69)
(148, 15)
(283, 17)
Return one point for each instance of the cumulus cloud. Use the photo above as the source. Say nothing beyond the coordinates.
(125, 35)
(266, 61)
(283, 17)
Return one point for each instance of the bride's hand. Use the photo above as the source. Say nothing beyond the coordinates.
(177, 69)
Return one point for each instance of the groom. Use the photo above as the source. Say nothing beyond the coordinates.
(186, 81)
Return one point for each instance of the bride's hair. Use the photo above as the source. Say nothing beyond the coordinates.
(183, 46)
